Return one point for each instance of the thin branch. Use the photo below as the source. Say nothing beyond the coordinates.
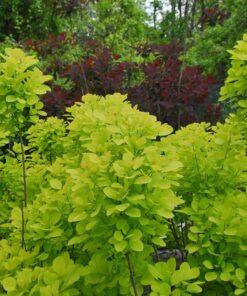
(24, 177)
(176, 238)
(182, 66)
(183, 233)
(193, 12)
(84, 78)
(156, 253)
(23, 244)
(196, 162)
(132, 276)
(24, 201)
(175, 235)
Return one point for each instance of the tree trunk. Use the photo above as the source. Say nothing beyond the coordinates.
(202, 13)
(180, 8)
(193, 12)
(186, 9)
(173, 6)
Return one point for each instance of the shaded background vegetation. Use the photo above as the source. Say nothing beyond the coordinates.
(170, 57)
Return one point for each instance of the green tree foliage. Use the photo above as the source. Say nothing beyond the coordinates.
(118, 24)
(21, 18)
(209, 48)
(24, 19)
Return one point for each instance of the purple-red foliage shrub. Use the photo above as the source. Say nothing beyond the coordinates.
(175, 95)
(100, 73)
(212, 16)
(49, 45)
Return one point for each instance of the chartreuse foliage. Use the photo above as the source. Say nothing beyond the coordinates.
(118, 185)
(3, 137)
(213, 159)
(214, 188)
(47, 137)
(166, 280)
(58, 278)
(108, 187)
(235, 88)
(104, 197)
(20, 84)
(235, 85)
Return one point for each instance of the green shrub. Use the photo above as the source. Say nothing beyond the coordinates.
(20, 84)
(87, 202)
(235, 90)
(209, 49)
(104, 195)
(214, 188)
(47, 137)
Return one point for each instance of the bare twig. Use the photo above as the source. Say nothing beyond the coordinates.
(23, 244)
(24, 177)
(24, 201)
(132, 276)
(156, 253)
(176, 237)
